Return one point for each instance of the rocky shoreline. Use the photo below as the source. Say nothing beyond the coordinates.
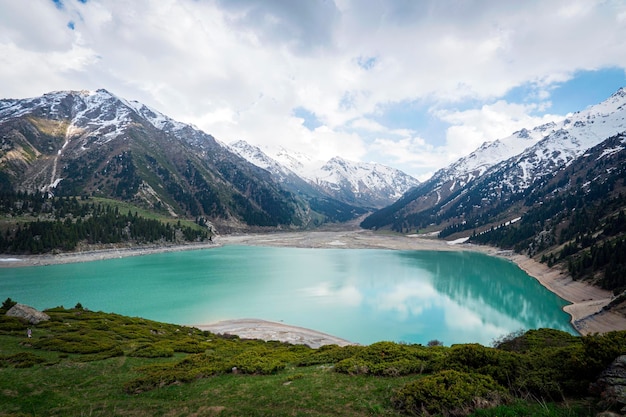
(586, 308)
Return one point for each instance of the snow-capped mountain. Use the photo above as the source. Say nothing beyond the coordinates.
(488, 154)
(356, 183)
(568, 140)
(540, 149)
(360, 181)
(506, 167)
(93, 143)
(259, 158)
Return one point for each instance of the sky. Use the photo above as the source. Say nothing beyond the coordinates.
(412, 84)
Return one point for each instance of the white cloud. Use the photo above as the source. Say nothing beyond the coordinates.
(471, 128)
(239, 68)
(345, 296)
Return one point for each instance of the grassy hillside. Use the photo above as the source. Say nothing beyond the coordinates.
(92, 363)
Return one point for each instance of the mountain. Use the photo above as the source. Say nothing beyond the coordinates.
(365, 185)
(488, 181)
(561, 200)
(319, 201)
(93, 143)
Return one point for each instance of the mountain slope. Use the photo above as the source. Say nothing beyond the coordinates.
(490, 179)
(364, 185)
(96, 144)
(576, 218)
(317, 199)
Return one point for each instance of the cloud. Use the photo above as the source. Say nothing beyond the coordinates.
(344, 296)
(300, 25)
(471, 128)
(241, 69)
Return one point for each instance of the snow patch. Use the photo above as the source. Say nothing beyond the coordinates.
(458, 241)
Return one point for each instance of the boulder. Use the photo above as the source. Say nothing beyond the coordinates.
(32, 315)
(611, 385)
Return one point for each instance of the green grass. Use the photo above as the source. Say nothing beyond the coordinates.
(124, 207)
(96, 364)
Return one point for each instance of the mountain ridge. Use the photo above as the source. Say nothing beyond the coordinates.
(369, 185)
(94, 143)
(492, 171)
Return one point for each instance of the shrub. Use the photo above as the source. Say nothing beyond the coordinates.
(390, 359)
(353, 366)
(187, 369)
(12, 324)
(501, 365)
(258, 361)
(20, 360)
(450, 393)
(600, 351)
(533, 340)
(8, 304)
(113, 353)
(328, 354)
(154, 350)
(551, 373)
(188, 345)
(76, 343)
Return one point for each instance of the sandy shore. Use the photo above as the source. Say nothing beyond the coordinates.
(586, 301)
(14, 261)
(270, 330)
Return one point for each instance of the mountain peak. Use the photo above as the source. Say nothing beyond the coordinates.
(357, 183)
(503, 170)
(621, 92)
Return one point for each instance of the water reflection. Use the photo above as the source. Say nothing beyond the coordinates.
(362, 295)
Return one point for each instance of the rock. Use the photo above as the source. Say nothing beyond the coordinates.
(611, 385)
(33, 316)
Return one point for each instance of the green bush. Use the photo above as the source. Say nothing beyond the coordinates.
(154, 350)
(113, 353)
(450, 393)
(502, 366)
(551, 373)
(532, 340)
(188, 369)
(600, 351)
(391, 359)
(76, 343)
(20, 360)
(328, 354)
(258, 361)
(188, 345)
(12, 324)
(353, 366)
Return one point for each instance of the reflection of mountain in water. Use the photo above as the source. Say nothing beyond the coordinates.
(482, 282)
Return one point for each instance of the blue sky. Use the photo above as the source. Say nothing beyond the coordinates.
(411, 84)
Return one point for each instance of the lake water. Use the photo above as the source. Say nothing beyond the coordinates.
(363, 295)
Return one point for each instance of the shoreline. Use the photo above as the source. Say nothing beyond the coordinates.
(273, 331)
(586, 301)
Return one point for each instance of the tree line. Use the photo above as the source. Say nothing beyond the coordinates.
(69, 222)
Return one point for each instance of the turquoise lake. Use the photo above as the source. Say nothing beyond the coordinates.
(363, 295)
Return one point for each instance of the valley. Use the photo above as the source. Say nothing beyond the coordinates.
(84, 175)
